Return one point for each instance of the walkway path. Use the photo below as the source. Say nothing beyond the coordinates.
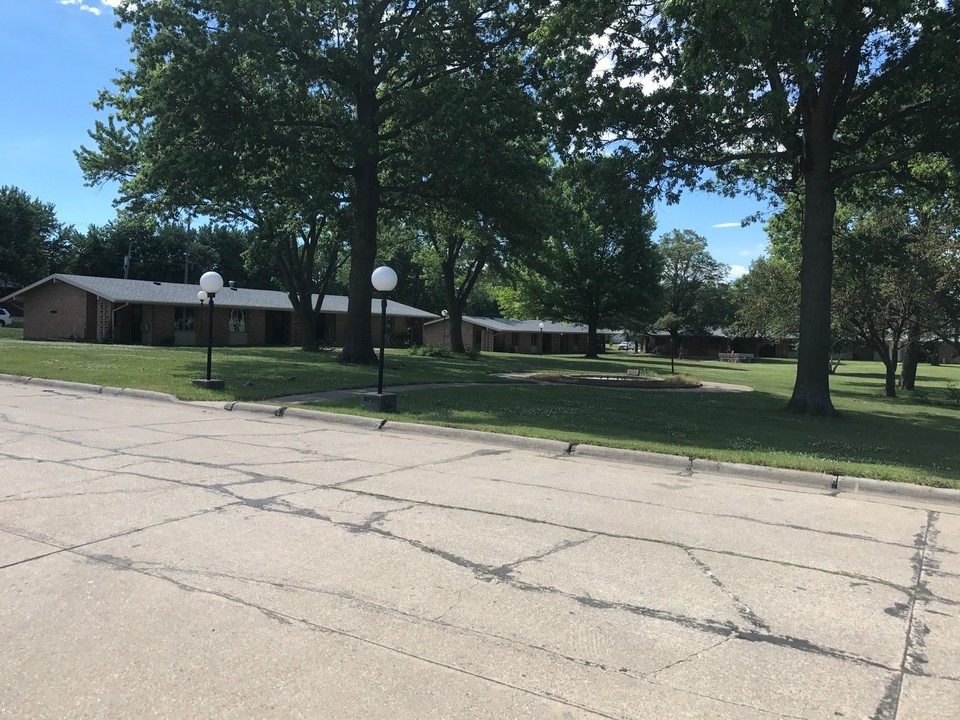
(525, 378)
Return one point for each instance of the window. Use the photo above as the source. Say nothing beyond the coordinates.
(183, 319)
(238, 321)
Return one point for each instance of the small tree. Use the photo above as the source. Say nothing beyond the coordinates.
(598, 265)
(693, 286)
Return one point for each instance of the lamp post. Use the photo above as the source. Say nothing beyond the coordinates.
(210, 284)
(384, 279)
(445, 316)
(541, 338)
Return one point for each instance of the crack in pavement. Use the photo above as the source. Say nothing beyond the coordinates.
(72, 548)
(774, 713)
(889, 707)
(506, 570)
(275, 504)
(624, 536)
(25, 496)
(692, 656)
(729, 516)
(742, 609)
(287, 619)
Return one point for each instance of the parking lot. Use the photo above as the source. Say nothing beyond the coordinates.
(162, 559)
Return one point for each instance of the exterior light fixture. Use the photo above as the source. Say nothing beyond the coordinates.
(384, 280)
(210, 284)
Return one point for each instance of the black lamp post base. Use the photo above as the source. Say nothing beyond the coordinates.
(209, 384)
(380, 402)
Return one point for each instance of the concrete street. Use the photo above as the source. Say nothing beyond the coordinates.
(161, 559)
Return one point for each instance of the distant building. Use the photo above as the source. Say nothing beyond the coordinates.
(140, 312)
(520, 336)
(717, 340)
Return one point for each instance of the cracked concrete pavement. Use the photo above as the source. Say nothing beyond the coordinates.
(180, 561)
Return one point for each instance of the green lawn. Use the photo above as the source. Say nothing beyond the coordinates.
(913, 438)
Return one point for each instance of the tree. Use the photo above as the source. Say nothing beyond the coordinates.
(767, 300)
(33, 243)
(487, 201)
(598, 266)
(693, 286)
(781, 96)
(308, 105)
(878, 287)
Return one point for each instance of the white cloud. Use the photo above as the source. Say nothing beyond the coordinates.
(92, 8)
(745, 253)
(82, 6)
(727, 225)
(735, 272)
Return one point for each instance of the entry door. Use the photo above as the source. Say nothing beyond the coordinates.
(136, 324)
(146, 325)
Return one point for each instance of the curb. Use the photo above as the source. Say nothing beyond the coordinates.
(63, 384)
(146, 394)
(869, 486)
(358, 421)
(90, 388)
(806, 478)
(539, 445)
(254, 408)
(671, 462)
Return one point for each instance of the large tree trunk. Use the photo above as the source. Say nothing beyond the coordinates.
(456, 331)
(454, 309)
(358, 342)
(911, 358)
(593, 350)
(811, 390)
(307, 319)
(890, 379)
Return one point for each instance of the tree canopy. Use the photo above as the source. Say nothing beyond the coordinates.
(33, 243)
(597, 266)
(693, 284)
(309, 106)
(779, 96)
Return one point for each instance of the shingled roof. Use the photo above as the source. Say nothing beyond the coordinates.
(146, 292)
(533, 326)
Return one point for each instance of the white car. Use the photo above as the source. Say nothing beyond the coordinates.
(624, 346)
(4, 317)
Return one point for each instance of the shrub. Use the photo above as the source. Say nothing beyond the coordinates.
(953, 393)
(437, 351)
(472, 353)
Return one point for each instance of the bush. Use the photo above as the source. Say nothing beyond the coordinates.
(953, 393)
(472, 353)
(436, 351)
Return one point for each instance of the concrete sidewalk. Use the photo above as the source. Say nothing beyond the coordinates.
(524, 378)
(161, 559)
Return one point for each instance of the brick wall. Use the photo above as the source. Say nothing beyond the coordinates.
(58, 311)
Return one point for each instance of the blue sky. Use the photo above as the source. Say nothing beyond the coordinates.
(57, 55)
